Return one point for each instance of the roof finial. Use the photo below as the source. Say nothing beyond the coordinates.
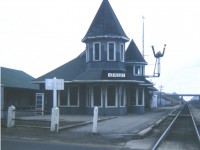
(143, 35)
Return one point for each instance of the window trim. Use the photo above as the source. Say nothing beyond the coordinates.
(94, 51)
(108, 51)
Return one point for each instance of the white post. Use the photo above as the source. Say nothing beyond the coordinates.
(55, 119)
(54, 92)
(95, 118)
(11, 116)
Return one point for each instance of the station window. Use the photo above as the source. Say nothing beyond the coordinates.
(122, 52)
(111, 96)
(73, 96)
(132, 96)
(138, 70)
(63, 97)
(88, 96)
(87, 53)
(69, 97)
(97, 51)
(97, 100)
(140, 96)
(111, 54)
(122, 96)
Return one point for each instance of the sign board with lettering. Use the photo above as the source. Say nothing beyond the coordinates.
(113, 75)
(54, 85)
(49, 84)
(116, 75)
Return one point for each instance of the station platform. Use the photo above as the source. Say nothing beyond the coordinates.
(121, 131)
(111, 130)
(135, 123)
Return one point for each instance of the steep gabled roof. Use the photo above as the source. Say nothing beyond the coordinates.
(16, 79)
(105, 24)
(133, 54)
(68, 71)
(76, 71)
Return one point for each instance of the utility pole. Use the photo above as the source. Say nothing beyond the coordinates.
(161, 87)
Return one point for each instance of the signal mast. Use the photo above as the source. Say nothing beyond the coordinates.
(157, 55)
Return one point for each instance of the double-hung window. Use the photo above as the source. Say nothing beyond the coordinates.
(122, 52)
(63, 97)
(140, 96)
(97, 100)
(122, 96)
(97, 51)
(111, 53)
(138, 70)
(94, 96)
(87, 53)
(111, 99)
(74, 96)
(132, 96)
(69, 97)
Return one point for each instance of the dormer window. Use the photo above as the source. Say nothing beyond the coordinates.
(122, 52)
(97, 51)
(111, 54)
(138, 70)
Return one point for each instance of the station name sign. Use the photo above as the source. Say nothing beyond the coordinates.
(51, 84)
(116, 75)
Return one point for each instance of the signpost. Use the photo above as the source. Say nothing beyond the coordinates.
(54, 84)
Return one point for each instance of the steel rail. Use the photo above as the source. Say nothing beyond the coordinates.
(195, 126)
(165, 133)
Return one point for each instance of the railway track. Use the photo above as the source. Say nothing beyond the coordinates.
(181, 134)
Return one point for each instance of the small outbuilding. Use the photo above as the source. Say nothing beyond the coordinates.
(16, 89)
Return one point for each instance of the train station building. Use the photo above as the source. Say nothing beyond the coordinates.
(105, 74)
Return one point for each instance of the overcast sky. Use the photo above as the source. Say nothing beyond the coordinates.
(37, 36)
